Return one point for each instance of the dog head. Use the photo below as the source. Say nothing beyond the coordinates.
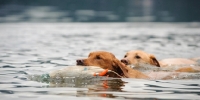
(103, 59)
(136, 57)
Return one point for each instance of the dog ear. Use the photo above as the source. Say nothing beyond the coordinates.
(127, 72)
(154, 61)
(119, 67)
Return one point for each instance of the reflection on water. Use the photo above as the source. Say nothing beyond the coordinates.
(38, 48)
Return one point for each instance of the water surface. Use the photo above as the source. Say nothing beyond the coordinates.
(37, 48)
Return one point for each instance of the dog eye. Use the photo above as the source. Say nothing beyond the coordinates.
(125, 56)
(98, 57)
(137, 57)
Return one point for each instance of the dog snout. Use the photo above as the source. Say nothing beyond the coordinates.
(125, 61)
(79, 62)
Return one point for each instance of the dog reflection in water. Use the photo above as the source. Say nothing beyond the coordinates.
(85, 86)
(95, 87)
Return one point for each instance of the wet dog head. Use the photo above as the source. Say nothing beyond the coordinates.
(103, 59)
(136, 57)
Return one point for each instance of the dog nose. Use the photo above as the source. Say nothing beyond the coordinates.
(79, 62)
(125, 61)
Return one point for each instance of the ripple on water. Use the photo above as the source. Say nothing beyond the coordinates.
(37, 48)
(8, 66)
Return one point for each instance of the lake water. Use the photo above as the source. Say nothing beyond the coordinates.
(37, 48)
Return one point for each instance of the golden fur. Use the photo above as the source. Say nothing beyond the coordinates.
(138, 57)
(107, 60)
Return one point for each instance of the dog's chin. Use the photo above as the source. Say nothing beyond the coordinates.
(80, 64)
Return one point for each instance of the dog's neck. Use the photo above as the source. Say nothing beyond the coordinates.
(132, 73)
(147, 68)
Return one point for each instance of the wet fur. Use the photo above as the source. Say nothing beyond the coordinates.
(107, 60)
(138, 57)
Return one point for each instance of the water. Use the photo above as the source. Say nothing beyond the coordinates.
(37, 48)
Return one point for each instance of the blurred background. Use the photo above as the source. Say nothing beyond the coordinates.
(99, 10)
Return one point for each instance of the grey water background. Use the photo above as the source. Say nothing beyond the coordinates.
(42, 35)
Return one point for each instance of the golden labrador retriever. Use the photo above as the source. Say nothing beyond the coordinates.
(138, 57)
(108, 61)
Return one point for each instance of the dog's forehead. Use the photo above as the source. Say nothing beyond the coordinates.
(137, 52)
(133, 52)
(101, 53)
